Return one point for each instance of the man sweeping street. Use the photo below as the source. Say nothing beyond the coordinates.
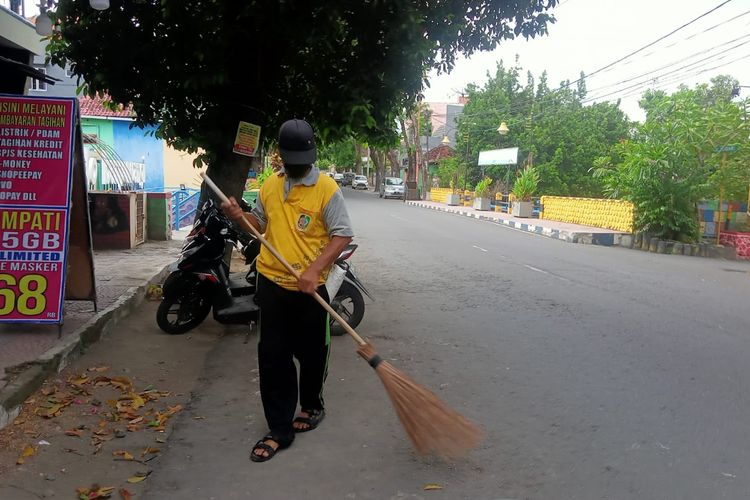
(303, 215)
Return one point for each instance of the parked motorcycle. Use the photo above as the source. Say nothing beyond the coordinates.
(201, 281)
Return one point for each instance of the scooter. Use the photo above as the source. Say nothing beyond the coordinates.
(201, 281)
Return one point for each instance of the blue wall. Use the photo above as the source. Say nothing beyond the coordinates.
(134, 145)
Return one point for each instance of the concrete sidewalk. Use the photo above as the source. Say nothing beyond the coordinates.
(28, 353)
(571, 233)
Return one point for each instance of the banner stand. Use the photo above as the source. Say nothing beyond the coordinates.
(46, 251)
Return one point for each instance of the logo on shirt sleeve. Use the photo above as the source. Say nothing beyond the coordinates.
(303, 222)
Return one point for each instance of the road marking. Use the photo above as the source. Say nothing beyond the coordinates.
(479, 248)
(535, 269)
(399, 218)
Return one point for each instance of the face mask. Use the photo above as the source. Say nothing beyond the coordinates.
(296, 171)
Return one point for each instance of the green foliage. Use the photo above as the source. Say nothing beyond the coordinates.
(450, 172)
(526, 184)
(339, 154)
(265, 174)
(672, 162)
(482, 189)
(562, 134)
(195, 68)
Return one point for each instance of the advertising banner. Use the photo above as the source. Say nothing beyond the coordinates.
(247, 139)
(32, 260)
(508, 156)
(36, 153)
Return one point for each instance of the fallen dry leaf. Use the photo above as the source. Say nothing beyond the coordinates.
(130, 402)
(149, 451)
(78, 381)
(138, 478)
(432, 486)
(98, 369)
(101, 381)
(53, 410)
(28, 451)
(95, 492)
(125, 494)
(123, 454)
(48, 391)
(74, 432)
(122, 383)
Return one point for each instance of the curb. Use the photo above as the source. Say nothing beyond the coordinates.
(603, 239)
(34, 373)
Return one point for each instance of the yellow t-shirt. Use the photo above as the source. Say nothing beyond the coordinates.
(296, 227)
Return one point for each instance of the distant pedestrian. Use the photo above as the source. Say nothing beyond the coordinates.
(303, 215)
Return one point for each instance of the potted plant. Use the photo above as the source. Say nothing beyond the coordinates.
(523, 191)
(482, 193)
(454, 198)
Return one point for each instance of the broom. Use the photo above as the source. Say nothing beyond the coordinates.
(431, 426)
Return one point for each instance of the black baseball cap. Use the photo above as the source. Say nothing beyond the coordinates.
(297, 143)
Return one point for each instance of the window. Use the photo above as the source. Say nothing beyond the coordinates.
(39, 85)
(68, 72)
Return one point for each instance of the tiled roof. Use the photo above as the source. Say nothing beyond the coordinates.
(440, 152)
(95, 107)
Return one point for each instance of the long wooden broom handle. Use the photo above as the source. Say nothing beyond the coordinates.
(283, 261)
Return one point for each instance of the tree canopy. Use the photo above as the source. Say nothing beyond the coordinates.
(552, 127)
(196, 67)
(692, 146)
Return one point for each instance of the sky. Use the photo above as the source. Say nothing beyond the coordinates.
(591, 34)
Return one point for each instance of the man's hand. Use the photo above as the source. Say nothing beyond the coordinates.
(308, 280)
(233, 210)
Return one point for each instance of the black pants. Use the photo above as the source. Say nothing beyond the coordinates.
(292, 325)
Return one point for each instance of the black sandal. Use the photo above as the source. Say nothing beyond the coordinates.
(261, 445)
(314, 419)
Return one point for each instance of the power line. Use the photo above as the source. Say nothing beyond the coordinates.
(551, 94)
(674, 80)
(655, 41)
(690, 67)
(673, 63)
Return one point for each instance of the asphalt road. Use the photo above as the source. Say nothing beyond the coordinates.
(597, 373)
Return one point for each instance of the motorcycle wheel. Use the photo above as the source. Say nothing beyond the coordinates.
(350, 305)
(177, 315)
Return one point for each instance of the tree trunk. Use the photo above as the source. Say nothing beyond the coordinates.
(230, 174)
(418, 156)
(393, 160)
(378, 158)
(410, 151)
(361, 151)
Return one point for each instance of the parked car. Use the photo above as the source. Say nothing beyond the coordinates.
(360, 182)
(339, 178)
(348, 178)
(392, 187)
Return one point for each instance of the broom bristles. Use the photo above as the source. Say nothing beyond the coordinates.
(431, 425)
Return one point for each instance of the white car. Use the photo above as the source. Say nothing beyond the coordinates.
(392, 187)
(360, 182)
(339, 178)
